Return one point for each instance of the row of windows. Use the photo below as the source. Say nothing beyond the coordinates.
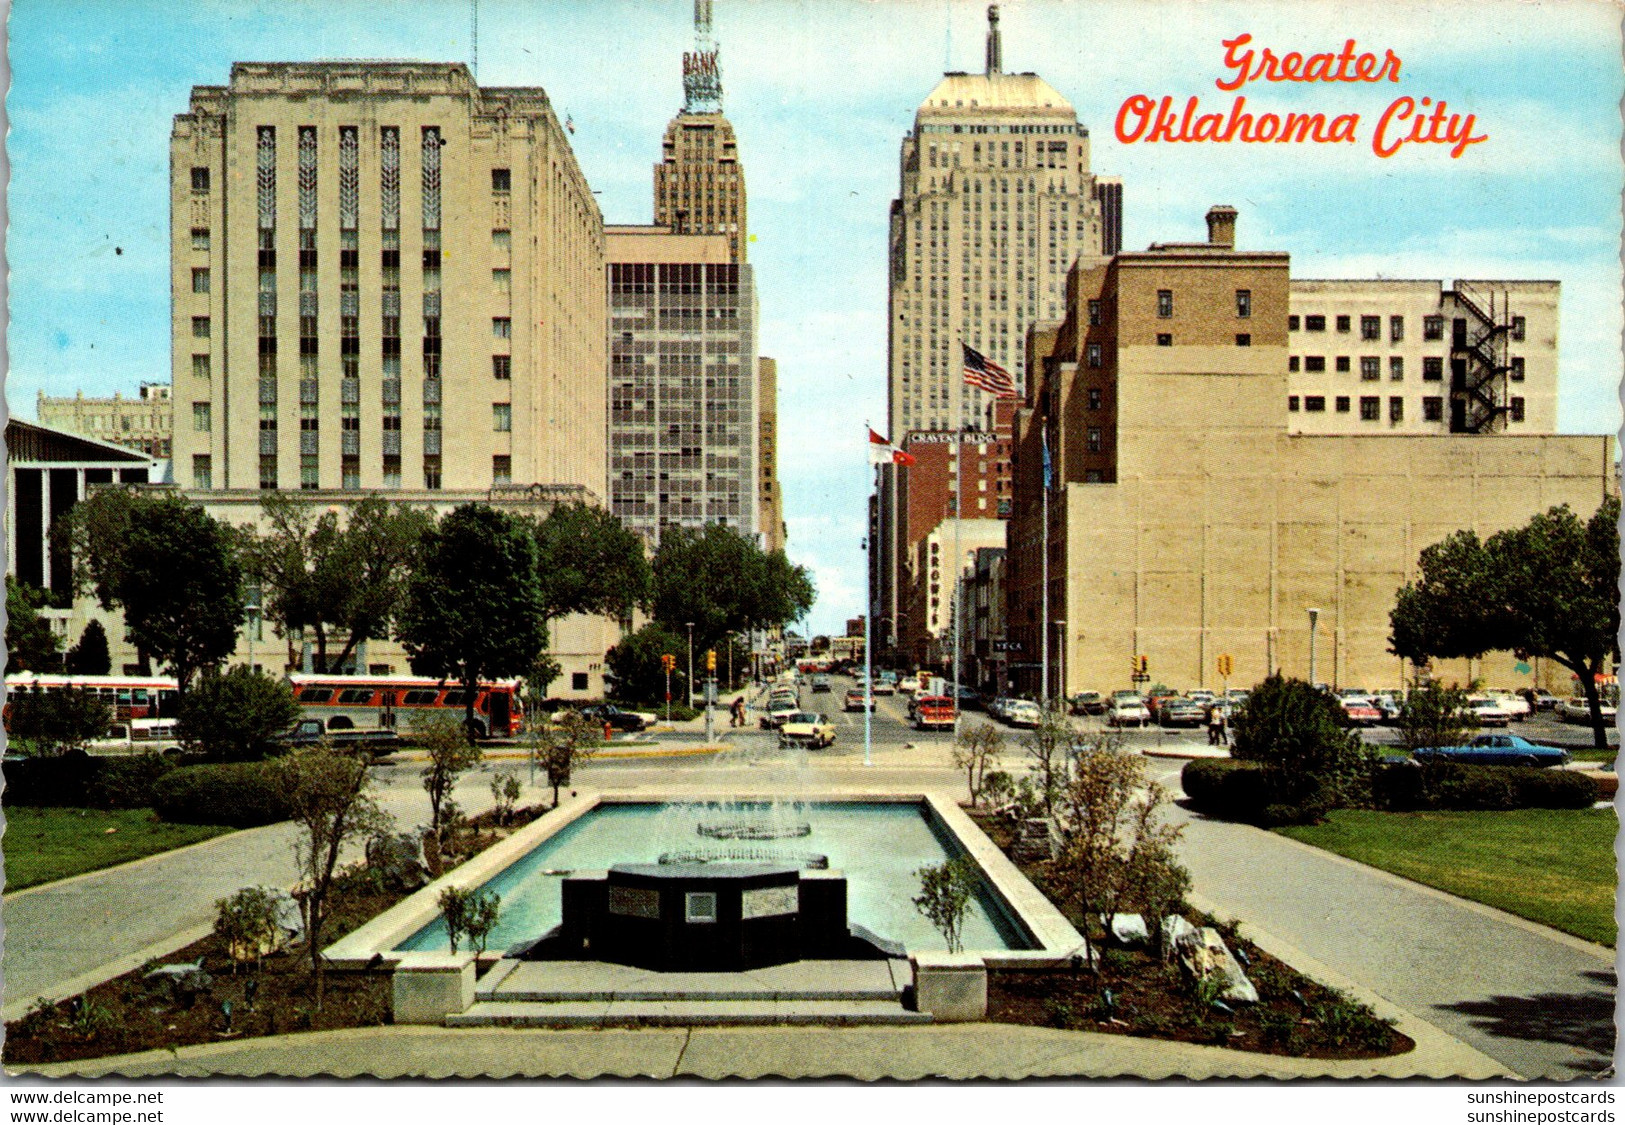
(1371, 407)
(1371, 366)
(1371, 326)
(1165, 305)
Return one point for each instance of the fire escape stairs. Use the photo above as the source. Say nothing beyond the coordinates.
(1484, 349)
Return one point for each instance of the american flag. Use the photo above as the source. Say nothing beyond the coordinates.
(984, 373)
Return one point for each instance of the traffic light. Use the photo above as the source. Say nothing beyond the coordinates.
(1226, 665)
(710, 660)
(1144, 664)
(668, 661)
(1134, 666)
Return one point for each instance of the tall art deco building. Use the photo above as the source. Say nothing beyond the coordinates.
(996, 202)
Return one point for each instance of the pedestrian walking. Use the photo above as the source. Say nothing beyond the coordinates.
(1216, 734)
(737, 718)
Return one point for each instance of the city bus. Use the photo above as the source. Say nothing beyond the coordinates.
(347, 702)
(127, 697)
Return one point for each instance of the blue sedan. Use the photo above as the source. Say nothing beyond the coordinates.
(1496, 750)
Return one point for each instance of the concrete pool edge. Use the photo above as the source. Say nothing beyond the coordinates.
(375, 944)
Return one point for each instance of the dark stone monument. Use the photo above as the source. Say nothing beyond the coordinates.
(705, 917)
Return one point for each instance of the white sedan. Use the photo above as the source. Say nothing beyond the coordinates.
(1576, 710)
(807, 728)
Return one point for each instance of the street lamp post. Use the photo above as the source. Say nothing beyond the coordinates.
(1060, 662)
(1314, 618)
(688, 685)
(252, 609)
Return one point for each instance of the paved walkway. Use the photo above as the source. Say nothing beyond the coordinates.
(1537, 1000)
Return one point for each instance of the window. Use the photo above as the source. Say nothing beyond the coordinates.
(1165, 339)
(1314, 363)
(431, 472)
(578, 681)
(201, 417)
(1315, 404)
(1244, 302)
(1370, 367)
(699, 906)
(200, 280)
(202, 471)
(1396, 409)
(1165, 303)
(501, 180)
(1433, 409)
(1292, 363)
(1291, 324)
(1517, 369)
(1343, 324)
(1517, 321)
(200, 179)
(501, 241)
(1370, 408)
(1343, 363)
(1094, 398)
(1244, 339)
(502, 280)
(501, 469)
(200, 327)
(1515, 409)
(1342, 404)
(1092, 355)
(1432, 369)
(1314, 324)
(501, 327)
(502, 366)
(1433, 328)
(200, 367)
(1396, 329)
(1094, 314)
(1093, 439)
(502, 417)
(200, 239)
(1371, 328)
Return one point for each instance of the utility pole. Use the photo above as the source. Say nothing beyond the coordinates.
(689, 683)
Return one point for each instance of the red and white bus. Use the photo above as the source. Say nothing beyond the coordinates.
(346, 702)
(127, 697)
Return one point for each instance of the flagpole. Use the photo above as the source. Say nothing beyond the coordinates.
(868, 638)
(1044, 571)
(959, 519)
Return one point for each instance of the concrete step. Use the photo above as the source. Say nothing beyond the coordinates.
(509, 1013)
(589, 982)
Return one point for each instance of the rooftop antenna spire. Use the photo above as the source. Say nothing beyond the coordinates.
(702, 77)
(995, 63)
(475, 38)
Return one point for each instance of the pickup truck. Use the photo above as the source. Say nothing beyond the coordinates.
(310, 732)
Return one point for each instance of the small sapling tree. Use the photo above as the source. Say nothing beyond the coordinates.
(248, 926)
(557, 748)
(470, 913)
(944, 898)
(976, 751)
(504, 792)
(451, 754)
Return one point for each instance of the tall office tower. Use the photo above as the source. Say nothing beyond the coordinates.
(683, 410)
(383, 277)
(997, 200)
(699, 183)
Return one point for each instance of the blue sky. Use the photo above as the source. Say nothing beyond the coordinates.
(820, 93)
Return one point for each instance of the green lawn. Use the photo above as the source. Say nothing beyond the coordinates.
(1553, 866)
(46, 844)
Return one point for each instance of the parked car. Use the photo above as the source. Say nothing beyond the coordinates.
(1127, 709)
(1088, 703)
(1360, 712)
(1181, 713)
(1154, 700)
(821, 682)
(1387, 706)
(311, 732)
(1540, 699)
(602, 714)
(969, 699)
(934, 712)
(1515, 705)
(778, 710)
(1024, 713)
(885, 684)
(1496, 750)
(806, 728)
(1489, 712)
(1575, 709)
(855, 700)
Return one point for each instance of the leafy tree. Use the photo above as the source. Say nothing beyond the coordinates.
(1048, 746)
(474, 608)
(173, 570)
(976, 751)
(504, 792)
(331, 807)
(557, 748)
(588, 562)
(30, 644)
(451, 754)
(470, 912)
(944, 899)
(1549, 588)
(54, 722)
(90, 657)
(722, 581)
(1297, 731)
(634, 664)
(350, 579)
(1434, 715)
(249, 925)
(1115, 850)
(237, 715)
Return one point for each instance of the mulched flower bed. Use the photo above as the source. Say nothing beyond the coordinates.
(130, 1013)
(1134, 992)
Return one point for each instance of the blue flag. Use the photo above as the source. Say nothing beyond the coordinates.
(1047, 469)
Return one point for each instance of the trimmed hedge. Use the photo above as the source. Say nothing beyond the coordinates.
(77, 780)
(238, 794)
(1253, 794)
